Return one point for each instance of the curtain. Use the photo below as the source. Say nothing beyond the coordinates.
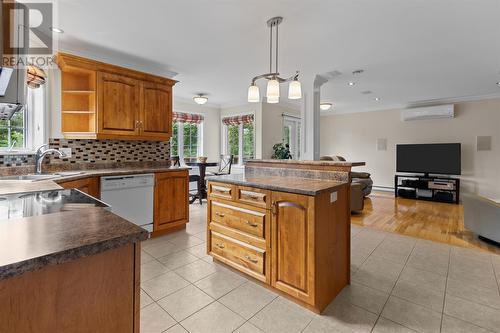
(36, 77)
(236, 120)
(187, 117)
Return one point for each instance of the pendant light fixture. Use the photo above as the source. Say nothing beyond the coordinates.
(273, 78)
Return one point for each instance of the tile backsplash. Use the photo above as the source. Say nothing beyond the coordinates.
(96, 152)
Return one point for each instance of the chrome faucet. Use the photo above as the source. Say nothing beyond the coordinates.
(40, 154)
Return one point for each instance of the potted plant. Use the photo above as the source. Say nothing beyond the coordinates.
(281, 152)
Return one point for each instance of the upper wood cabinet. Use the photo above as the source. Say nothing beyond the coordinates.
(103, 101)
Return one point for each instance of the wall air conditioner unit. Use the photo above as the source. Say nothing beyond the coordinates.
(430, 112)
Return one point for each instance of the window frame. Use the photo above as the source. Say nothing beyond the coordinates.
(180, 139)
(225, 141)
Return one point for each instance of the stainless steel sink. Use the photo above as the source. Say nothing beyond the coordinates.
(31, 177)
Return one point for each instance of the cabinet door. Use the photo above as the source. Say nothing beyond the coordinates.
(118, 105)
(156, 110)
(171, 206)
(293, 245)
(87, 185)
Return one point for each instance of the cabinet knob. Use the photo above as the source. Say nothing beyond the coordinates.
(219, 245)
(255, 225)
(251, 259)
(219, 214)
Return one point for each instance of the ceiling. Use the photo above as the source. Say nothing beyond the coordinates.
(411, 51)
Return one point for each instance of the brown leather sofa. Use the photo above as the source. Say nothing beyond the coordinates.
(361, 185)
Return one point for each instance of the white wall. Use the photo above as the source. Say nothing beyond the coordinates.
(272, 126)
(354, 137)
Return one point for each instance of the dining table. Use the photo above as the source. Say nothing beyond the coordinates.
(202, 166)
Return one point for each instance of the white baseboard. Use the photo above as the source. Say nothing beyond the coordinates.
(383, 188)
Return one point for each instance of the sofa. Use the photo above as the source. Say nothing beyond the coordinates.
(482, 216)
(361, 184)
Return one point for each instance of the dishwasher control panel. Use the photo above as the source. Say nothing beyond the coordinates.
(129, 181)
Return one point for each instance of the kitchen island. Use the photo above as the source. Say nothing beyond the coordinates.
(288, 228)
(73, 268)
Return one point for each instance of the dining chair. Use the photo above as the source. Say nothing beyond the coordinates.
(175, 161)
(195, 193)
(226, 162)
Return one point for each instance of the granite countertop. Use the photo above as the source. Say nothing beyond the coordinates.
(32, 243)
(305, 162)
(296, 185)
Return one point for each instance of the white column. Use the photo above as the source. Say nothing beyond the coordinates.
(310, 113)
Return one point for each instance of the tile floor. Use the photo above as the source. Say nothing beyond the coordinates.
(399, 284)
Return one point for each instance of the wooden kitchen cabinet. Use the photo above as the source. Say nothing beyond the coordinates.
(88, 185)
(103, 101)
(171, 205)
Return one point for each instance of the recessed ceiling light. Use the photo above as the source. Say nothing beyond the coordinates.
(351, 83)
(325, 106)
(59, 31)
(377, 99)
(200, 99)
(498, 83)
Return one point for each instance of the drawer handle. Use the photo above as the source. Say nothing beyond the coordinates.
(219, 214)
(251, 260)
(221, 189)
(220, 246)
(255, 225)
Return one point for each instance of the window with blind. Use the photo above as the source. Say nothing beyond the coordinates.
(239, 138)
(187, 136)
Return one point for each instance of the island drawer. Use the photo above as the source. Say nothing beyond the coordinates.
(237, 253)
(219, 190)
(248, 221)
(253, 196)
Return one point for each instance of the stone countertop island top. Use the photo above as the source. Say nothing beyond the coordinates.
(305, 162)
(297, 185)
(31, 243)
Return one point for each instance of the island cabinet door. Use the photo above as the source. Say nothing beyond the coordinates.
(171, 206)
(292, 245)
(118, 105)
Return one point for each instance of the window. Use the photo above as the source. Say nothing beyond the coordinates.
(13, 131)
(291, 135)
(186, 141)
(239, 138)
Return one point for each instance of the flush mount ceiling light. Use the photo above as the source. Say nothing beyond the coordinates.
(498, 83)
(200, 99)
(272, 77)
(54, 29)
(325, 106)
(351, 84)
(377, 99)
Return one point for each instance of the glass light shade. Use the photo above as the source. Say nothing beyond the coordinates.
(253, 94)
(325, 106)
(273, 100)
(200, 100)
(273, 89)
(294, 90)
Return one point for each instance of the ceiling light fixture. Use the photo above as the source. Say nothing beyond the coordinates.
(54, 29)
(351, 84)
(498, 83)
(377, 99)
(200, 99)
(273, 78)
(325, 106)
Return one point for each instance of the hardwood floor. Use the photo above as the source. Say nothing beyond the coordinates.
(422, 219)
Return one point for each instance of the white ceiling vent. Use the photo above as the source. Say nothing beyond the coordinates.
(431, 112)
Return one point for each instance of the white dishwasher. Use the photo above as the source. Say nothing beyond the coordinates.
(130, 197)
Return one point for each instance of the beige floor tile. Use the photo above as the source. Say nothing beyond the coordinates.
(176, 329)
(367, 298)
(185, 302)
(394, 250)
(199, 250)
(387, 326)
(474, 293)
(342, 317)
(202, 235)
(163, 285)
(411, 315)
(248, 328)
(454, 325)
(145, 299)
(378, 274)
(196, 270)
(477, 314)
(423, 279)
(185, 241)
(178, 259)
(145, 257)
(474, 273)
(155, 320)
(152, 269)
(429, 248)
(161, 249)
(430, 298)
(220, 283)
(215, 318)
(248, 299)
(429, 262)
(282, 315)
(464, 254)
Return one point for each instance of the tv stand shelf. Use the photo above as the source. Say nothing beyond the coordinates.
(440, 189)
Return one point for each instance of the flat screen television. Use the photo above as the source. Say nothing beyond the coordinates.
(436, 158)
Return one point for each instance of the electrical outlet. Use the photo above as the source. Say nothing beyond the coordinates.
(333, 196)
(66, 151)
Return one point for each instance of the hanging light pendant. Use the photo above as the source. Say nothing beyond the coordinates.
(274, 80)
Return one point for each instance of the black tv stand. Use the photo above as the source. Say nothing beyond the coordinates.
(426, 187)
